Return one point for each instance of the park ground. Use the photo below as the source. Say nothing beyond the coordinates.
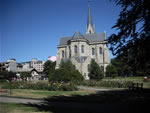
(86, 100)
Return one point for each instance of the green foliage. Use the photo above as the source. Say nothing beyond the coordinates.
(25, 74)
(5, 75)
(111, 71)
(132, 41)
(95, 71)
(67, 65)
(125, 67)
(60, 75)
(66, 72)
(49, 68)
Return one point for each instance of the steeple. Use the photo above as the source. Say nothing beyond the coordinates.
(90, 27)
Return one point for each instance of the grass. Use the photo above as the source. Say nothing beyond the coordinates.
(18, 108)
(40, 94)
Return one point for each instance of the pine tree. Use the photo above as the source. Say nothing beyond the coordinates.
(95, 71)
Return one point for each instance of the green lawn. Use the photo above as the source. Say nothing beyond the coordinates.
(18, 108)
(40, 94)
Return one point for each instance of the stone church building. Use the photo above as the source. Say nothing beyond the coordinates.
(81, 48)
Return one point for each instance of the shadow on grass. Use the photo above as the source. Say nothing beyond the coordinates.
(102, 102)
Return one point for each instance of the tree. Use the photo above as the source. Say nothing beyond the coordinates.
(95, 72)
(25, 74)
(67, 65)
(49, 68)
(133, 38)
(111, 71)
(122, 67)
(66, 72)
(5, 75)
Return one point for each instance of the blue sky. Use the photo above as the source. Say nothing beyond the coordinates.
(32, 28)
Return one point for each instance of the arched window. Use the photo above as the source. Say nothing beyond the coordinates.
(82, 48)
(75, 49)
(93, 51)
(63, 54)
(100, 50)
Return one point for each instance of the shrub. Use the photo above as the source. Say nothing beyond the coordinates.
(107, 83)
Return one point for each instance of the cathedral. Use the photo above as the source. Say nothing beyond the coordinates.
(81, 48)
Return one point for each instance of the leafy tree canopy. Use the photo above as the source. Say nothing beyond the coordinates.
(5, 75)
(111, 71)
(67, 65)
(25, 74)
(133, 38)
(66, 72)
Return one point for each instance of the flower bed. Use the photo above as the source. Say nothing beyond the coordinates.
(3, 91)
(52, 86)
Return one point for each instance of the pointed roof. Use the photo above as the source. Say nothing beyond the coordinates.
(90, 22)
(78, 35)
(90, 26)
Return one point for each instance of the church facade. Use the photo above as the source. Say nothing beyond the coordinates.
(80, 49)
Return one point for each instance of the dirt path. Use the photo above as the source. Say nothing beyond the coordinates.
(93, 88)
(19, 100)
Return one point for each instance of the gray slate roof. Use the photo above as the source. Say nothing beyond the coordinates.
(80, 59)
(90, 37)
(77, 35)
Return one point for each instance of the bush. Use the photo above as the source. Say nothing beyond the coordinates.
(107, 83)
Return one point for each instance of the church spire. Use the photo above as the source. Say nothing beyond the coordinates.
(90, 27)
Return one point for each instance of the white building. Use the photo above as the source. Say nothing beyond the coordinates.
(38, 65)
(10, 65)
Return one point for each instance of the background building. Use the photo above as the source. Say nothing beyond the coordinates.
(34, 66)
(10, 65)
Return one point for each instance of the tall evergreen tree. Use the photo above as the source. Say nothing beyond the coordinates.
(49, 68)
(95, 71)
